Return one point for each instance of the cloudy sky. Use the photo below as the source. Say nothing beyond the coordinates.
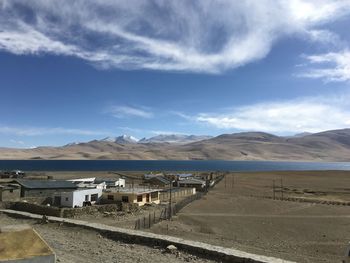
(83, 70)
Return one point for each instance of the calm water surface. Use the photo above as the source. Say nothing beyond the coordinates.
(122, 165)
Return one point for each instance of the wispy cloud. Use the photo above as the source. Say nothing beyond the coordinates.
(127, 111)
(331, 67)
(17, 142)
(305, 114)
(161, 132)
(38, 131)
(198, 36)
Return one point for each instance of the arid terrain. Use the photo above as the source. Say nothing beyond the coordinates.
(309, 224)
(238, 216)
(324, 146)
(77, 245)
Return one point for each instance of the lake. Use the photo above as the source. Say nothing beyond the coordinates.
(140, 165)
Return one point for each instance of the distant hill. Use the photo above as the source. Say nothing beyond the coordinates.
(175, 138)
(324, 146)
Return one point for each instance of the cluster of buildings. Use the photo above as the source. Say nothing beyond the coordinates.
(200, 182)
(89, 191)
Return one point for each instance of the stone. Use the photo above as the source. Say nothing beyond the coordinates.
(171, 249)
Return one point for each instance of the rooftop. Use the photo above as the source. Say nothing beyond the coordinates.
(192, 181)
(47, 184)
(133, 190)
(161, 179)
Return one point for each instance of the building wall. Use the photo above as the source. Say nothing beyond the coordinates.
(6, 195)
(132, 197)
(42, 192)
(77, 198)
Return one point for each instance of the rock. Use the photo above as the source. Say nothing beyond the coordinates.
(171, 249)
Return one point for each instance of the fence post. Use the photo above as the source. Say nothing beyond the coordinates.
(149, 220)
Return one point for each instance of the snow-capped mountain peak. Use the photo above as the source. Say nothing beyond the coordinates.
(123, 139)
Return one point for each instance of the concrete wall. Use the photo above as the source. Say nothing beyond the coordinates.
(77, 198)
(62, 212)
(10, 196)
(42, 192)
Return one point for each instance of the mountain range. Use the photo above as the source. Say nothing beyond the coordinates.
(324, 146)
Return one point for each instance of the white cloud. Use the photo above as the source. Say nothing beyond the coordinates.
(38, 131)
(307, 114)
(198, 36)
(17, 142)
(331, 67)
(127, 111)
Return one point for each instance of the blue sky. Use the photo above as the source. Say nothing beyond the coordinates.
(83, 71)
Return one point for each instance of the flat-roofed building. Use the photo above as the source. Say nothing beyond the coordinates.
(44, 188)
(78, 198)
(138, 196)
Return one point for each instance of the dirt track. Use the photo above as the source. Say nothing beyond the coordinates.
(77, 245)
(235, 216)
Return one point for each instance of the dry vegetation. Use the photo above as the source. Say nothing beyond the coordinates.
(238, 216)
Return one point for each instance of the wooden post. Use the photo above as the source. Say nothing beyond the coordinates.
(282, 188)
(144, 222)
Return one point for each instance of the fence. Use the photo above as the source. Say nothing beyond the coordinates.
(178, 193)
(147, 221)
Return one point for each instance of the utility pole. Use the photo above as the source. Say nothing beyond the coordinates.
(171, 182)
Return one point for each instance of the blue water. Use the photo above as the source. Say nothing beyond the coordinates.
(121, 165)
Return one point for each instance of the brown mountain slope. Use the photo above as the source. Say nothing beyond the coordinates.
(325, 146)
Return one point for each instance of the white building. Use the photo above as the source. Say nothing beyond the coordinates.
(111, 182)
(82, 180)
(78, 197)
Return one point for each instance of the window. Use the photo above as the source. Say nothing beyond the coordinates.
(110, 197)
(86, 197)
(139, 198)
(67, 199)
(154, 195)
(94, 197)
(125, 199)
(11, 190)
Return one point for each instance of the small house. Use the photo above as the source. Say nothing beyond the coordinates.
(78, 198)
(158, 181)
(44, 188)
(134, 195)
(183, 176)
(10, 192)
(111, 182)
(200, 185)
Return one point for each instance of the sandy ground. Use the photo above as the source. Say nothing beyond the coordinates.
(235, 216)
(77, 245)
